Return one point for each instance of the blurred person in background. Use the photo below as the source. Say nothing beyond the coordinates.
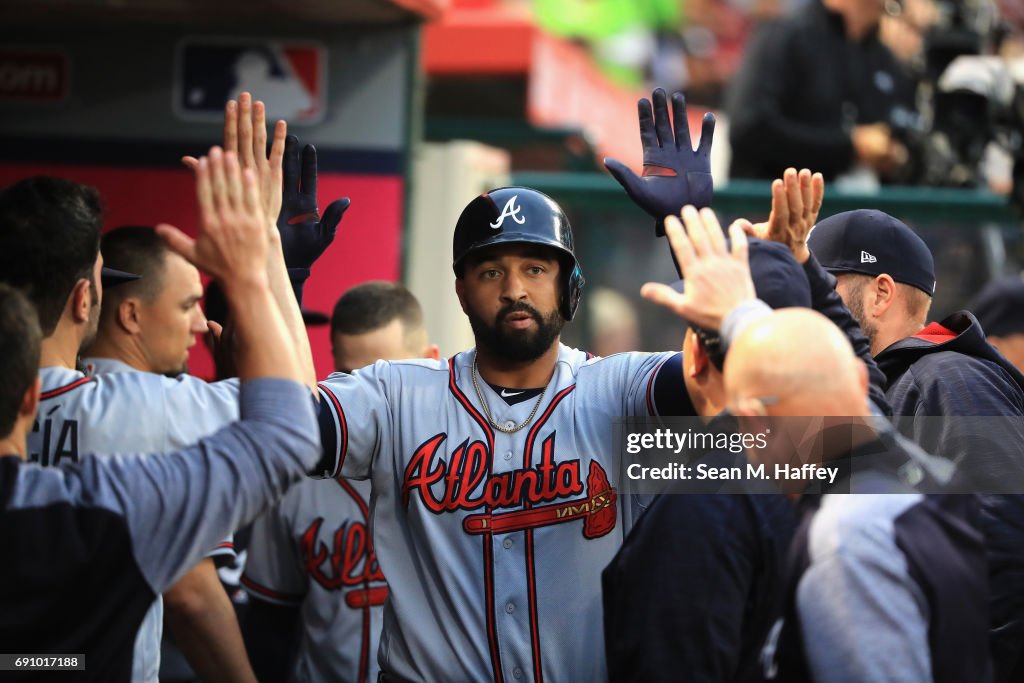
(999, 307)
(819, 89)
(614, 327)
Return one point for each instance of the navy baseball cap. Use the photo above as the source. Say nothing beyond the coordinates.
(873, 243)
(999, 307)
(779, 280)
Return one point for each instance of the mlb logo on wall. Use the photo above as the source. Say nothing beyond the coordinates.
(289, 76)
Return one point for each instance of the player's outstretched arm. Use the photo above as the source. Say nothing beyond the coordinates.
(674, 174)
(245, 133)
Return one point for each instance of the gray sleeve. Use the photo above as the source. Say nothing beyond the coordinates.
(862, 616)
(178, 505)
(739, 318)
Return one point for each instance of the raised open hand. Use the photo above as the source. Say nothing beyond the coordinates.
(305, 234)
(716, 275)
(232, 243)
(674, 173)
(796, 201)
(245, 134)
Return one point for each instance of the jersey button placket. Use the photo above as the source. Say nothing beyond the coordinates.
(517, 673)
(507, 543)
(509, 424)
(510, 607)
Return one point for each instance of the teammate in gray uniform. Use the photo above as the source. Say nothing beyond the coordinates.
(292, 572)
(148, 325)
(49, 246)
(91, 543)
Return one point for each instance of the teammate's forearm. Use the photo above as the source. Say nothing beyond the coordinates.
(264, 346)
(205, 628)
(284, 295)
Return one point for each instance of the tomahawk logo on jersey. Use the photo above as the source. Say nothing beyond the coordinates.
(495, 540)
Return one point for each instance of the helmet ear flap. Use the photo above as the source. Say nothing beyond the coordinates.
(572, 292)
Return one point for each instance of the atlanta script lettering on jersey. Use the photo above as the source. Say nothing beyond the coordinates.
(468, 487)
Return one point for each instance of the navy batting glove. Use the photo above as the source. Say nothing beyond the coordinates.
(683, 175)
(305, 233)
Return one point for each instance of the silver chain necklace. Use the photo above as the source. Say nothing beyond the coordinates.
(487, 411)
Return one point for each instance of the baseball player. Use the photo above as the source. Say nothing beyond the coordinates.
(148, 325)
(91, 543)
(494, 475)
(49, 246)
(311, 563)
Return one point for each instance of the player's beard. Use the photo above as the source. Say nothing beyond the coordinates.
(856, 306)
(520, 346)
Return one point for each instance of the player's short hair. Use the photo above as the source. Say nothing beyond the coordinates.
(133, 249)
(49, 239)
(20, 343)
(373, 305)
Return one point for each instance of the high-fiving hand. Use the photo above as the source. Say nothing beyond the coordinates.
(232, 243)
(716, 274)
(796, 201)
(674, 173)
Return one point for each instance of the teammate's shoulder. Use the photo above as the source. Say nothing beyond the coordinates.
(388, 372)
(586, 359)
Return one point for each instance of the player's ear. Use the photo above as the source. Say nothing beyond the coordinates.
(128, 315)
(884, 291)
(699, 360)
(81, 300)
(30, 401)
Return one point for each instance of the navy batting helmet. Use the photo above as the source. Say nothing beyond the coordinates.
(520, 215)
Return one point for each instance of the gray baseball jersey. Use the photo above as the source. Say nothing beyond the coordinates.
(313, 550)
(128, 412)
(492, 543)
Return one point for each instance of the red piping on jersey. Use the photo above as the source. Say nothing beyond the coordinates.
(342, 422)
(52, 393)
(268, 592)
(531, 575)
(650, 388)
(589, 355)
(364, 648)
(936, 334)
(492, 631)
(225, 544)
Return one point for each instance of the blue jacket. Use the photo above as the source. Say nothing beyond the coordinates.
(949, 371)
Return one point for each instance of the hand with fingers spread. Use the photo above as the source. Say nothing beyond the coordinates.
(674, 174)
(716, 274)
(305, 234)
(796, 202)
(232, 243)
(245, 134)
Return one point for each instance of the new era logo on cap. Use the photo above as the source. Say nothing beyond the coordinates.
(865, 257)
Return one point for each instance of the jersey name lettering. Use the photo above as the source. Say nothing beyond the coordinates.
(55, 447)
(467, 486)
